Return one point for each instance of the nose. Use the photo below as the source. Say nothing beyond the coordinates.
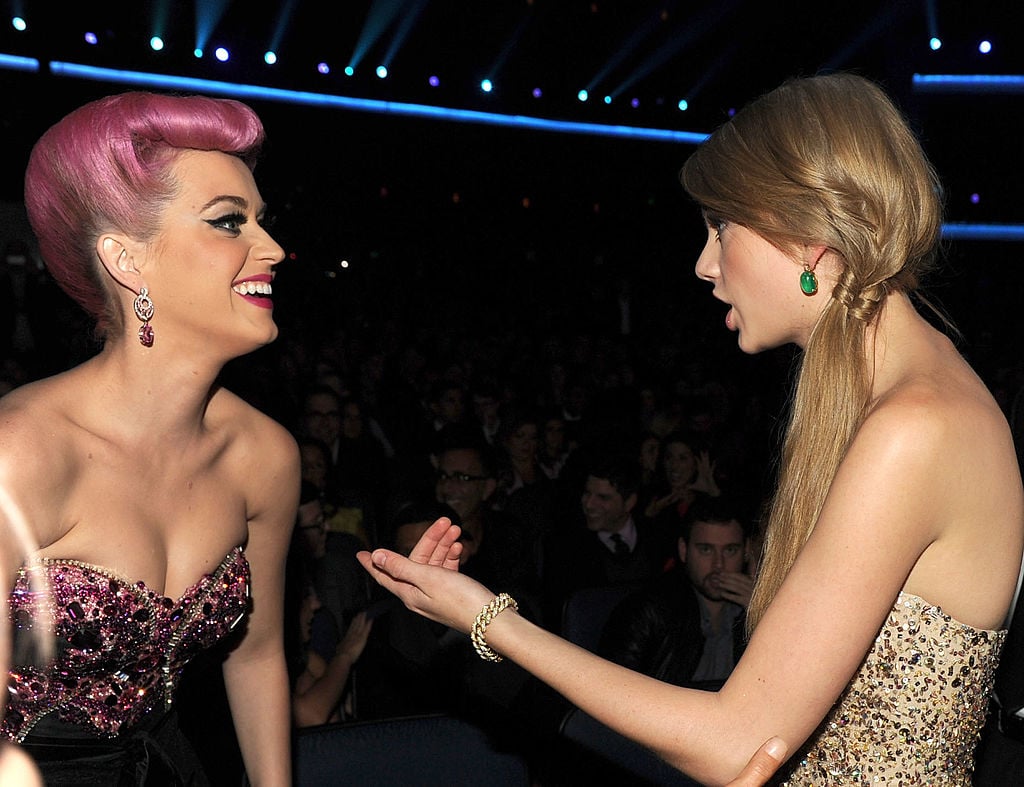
(717, 561)
(267, 248)
(707, 263)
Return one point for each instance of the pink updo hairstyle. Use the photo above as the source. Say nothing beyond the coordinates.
(107, 166)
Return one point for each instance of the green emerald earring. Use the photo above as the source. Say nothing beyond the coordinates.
(808, 281)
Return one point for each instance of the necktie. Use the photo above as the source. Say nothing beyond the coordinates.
(619, 544)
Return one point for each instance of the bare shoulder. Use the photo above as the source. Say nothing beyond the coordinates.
(945, 407)
(262, 451)
(36, 451)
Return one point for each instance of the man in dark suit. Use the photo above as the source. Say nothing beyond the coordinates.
(609, 547)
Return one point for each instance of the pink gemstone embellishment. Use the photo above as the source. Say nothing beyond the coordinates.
(146, 335)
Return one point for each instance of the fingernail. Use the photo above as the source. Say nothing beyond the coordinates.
(776, 747)
(379, 558)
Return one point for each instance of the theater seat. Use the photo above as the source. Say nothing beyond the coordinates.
(425, 751)
(586, 611)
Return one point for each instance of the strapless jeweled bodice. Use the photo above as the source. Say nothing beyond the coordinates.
(120, 648)
(913, 713)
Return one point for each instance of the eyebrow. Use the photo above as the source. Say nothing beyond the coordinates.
(239, 202)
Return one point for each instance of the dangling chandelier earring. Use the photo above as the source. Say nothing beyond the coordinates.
(143, 306)
(808, 281)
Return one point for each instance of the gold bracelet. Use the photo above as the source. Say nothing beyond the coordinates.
(496, 606)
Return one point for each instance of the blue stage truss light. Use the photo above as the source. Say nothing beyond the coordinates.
(91, 39)
(583, 95)
(985, 47)
(607, 99)
(537, 92)
(16, 63)
(968, 83)
(434, 80)
(156, 43)
(222, 54)
(19, 24)
(683, 105)
(349, 71)
(270, 58)
(198, 52)
(487, 86)
(935, 43)
(323, 68)
(382, 72)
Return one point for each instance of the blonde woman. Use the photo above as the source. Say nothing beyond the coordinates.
(895, 538)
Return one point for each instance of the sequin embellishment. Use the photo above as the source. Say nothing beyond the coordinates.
(120, 647)
(913, 713)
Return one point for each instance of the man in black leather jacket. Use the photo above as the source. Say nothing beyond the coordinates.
(686, 627)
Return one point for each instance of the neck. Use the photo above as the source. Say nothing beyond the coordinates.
(153, 392)
(899, 337)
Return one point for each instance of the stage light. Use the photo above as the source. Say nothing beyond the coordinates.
(634, 102)
(975, 198)
(607, 99)
(349, 71)
(537, 92)
(198, 52)
(487, 86)
(434, 81)
(935, 43)
(90, 38)
(222, 54)
(382, 72)
(156, 43)
(583, 95)
(19, 24)
(683, 105)
(270, 58)
(985, 47)
(323, 68)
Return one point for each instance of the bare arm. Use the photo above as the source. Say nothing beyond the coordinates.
(254, 674)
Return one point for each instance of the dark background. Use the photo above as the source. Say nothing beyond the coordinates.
(474, 228)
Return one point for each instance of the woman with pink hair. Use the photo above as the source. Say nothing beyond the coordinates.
(162, 504)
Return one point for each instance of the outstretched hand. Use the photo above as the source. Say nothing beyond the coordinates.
(428, 581)
(762, 765)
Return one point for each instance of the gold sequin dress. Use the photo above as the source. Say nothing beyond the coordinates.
(912, 714)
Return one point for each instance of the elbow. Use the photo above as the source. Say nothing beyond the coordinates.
(306, 712)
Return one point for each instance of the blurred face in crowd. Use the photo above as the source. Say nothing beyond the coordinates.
(712, 549)
(649, 450)
(604, 508)
(462, 482)
(485, 407)
(322, 418)
(554, 436)
(680, 464)
(314, 465)
(351, 421)
(450, 406)
(522, 443)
